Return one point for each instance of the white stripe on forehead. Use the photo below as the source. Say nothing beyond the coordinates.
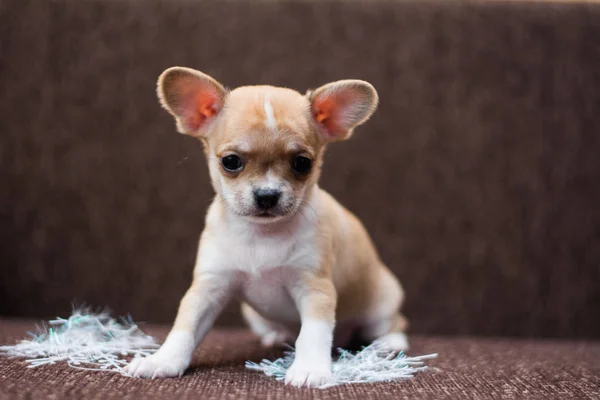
(270, 116)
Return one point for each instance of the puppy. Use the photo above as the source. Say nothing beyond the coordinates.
(297, 259)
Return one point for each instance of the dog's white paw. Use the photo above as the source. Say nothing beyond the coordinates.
(307, 375)
(395, 341)
(156, 366)
(275, 339)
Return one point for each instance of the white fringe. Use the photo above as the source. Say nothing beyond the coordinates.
(85, 341)
(97, 342)
(372, 364)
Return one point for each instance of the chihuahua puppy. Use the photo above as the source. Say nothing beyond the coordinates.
(297, 259)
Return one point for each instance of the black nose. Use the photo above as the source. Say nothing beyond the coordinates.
(266, 198)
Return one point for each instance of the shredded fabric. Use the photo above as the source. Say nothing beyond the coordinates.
(86, 340)
(98, 342)
(372, 364)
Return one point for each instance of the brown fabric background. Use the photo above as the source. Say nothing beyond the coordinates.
(478, 176)
(465, 369)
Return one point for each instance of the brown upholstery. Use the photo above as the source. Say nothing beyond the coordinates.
(466, 368)
(478, 176)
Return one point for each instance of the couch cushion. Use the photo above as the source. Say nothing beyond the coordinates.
(466, 367)
(477, 176)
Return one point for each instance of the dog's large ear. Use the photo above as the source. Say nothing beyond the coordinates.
(341, 106)
(193, 98)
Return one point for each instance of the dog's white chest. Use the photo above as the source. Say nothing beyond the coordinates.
(264, 262)
(254, 254)
(266, 269)
(266, 266)
(267, 293)
(254, 251)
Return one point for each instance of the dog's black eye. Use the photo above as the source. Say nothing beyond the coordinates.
(301, 164)
(232, 163)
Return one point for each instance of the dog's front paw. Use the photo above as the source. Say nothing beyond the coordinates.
(307, 375)
(156, 366)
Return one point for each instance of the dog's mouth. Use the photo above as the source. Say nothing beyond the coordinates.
(267, 216)
(272, 213)
(262, 214)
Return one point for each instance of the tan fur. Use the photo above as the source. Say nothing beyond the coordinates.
(356, 274)
(340, 276)
(354, 267)
(359, 276)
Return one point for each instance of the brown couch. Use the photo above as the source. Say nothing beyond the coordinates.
(478, 177)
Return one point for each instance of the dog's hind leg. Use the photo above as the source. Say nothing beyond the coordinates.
(385, 323)
(271, 334)
(389, 332)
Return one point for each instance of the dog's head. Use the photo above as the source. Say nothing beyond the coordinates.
(264, 144)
